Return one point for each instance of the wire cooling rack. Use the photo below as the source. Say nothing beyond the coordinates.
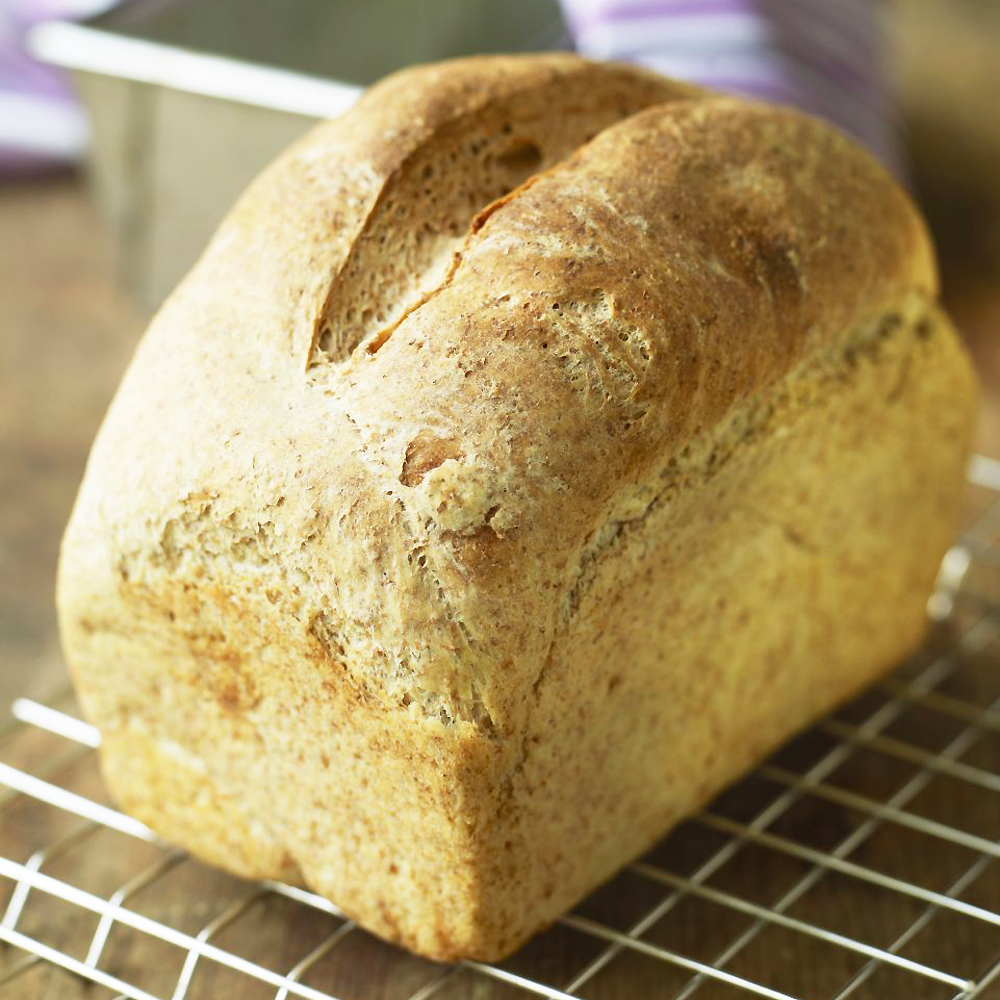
(860, 861)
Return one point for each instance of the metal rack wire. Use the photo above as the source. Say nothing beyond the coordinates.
(860, 861)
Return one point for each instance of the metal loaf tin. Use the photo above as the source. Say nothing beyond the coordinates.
(189, 99)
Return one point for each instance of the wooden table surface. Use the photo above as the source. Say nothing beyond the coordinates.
(67, 331)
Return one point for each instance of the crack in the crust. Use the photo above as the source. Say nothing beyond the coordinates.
(321, 319)
(524, 156)
(474, 710)
(390, 186)
(506, 790)
(376, 343)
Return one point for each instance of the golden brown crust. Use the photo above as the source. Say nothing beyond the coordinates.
(395, 465)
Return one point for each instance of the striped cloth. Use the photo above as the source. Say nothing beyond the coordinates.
(41, 121)
(824, 56)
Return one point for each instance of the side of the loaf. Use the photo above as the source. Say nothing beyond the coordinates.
(431, 555)
(783, 563)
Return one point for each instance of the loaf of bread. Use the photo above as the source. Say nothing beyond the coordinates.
(532, 450)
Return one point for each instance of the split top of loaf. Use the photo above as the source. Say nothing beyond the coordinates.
(532, 449)
(447, 343)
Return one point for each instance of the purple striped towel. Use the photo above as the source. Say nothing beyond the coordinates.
(41, 122)
(823, 56)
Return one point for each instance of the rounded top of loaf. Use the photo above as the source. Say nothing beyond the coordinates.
(444, 340)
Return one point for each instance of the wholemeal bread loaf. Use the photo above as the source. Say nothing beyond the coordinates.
(532, 450)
